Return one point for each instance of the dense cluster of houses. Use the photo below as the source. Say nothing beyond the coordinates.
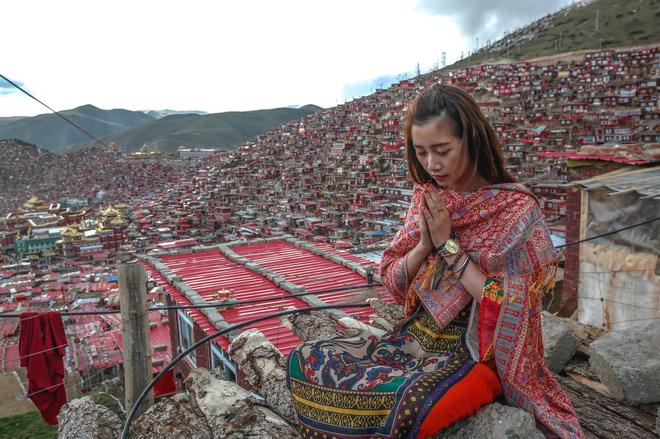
(339, 176)
(89, 178)
(43, 232)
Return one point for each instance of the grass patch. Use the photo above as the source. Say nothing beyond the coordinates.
(26, 426)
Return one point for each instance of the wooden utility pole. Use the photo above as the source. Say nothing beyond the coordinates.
(135, 334)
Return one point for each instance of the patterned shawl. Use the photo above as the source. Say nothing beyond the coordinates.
(502, 229)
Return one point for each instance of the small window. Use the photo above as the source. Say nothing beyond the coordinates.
(186, 336)
(220, 360)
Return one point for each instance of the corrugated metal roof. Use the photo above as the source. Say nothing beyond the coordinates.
(645, 181)
(199, 317)
(210, 271)
(312, 271)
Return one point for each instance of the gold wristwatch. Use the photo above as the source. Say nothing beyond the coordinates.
(448, 248)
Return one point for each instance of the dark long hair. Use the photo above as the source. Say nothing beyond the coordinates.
(444, 101)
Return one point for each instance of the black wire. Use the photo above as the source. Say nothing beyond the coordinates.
(152, 383)
(209, 305)
(609, 233)
(56, 112)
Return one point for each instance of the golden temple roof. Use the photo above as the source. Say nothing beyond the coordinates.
(110, 212)
(35, 203)
(72, 231)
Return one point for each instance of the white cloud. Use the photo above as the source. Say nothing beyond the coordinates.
(212, 55)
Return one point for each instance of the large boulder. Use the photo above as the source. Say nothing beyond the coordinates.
(559, 342)
(495, 421)
(627, 361)
(249, 419)
(83, 419)
(313, 325)
(265, 370)
(231, 412)
(174, 417)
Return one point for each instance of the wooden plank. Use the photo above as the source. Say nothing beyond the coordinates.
(135, 334)
(603, 417)
(597, 386)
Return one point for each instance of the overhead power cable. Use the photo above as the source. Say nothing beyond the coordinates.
(55, 112)
(208, 305)
(609, 233)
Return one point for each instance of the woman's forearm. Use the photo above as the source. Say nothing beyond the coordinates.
(414, 260)
(473, 279)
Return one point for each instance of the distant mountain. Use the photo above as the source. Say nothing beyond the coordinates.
(218, 130)
(574, 28)
(157, 114)
(52, 133)
(7, 120)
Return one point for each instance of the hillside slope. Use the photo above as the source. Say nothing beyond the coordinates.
(52, 133)
(587, 25)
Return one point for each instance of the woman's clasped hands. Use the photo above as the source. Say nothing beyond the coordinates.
(434, 221)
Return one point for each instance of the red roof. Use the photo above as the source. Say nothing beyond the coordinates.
(9, 352)
(314, 272)
(608, 158)
(209, 271)
(303, 232)
(158, 335)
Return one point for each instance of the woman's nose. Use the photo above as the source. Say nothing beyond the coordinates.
(433, 164)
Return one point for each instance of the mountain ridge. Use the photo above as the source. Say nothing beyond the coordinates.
(50, 132)
(131, 129)
(216, 130)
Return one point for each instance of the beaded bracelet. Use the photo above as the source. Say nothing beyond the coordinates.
(463, 267)
(459, 255)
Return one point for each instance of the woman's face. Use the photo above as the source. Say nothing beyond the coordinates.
(440, 152)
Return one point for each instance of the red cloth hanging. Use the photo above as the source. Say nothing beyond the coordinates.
(41, 348)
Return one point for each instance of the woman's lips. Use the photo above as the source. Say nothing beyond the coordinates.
(439, 177)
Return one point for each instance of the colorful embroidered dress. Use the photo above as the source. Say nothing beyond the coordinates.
(390, 387)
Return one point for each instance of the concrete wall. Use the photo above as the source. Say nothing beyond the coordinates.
(618, 287)
(619, 283)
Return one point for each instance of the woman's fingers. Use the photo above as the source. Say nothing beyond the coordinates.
(436, 201)
(430, 204)
(426, 208)
(423, 226)
(424, 232)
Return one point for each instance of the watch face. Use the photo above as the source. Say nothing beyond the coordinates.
(452, 246)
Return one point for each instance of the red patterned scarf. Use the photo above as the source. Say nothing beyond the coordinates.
(503, 231)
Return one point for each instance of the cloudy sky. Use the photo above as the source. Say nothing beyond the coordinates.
(241, 55)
